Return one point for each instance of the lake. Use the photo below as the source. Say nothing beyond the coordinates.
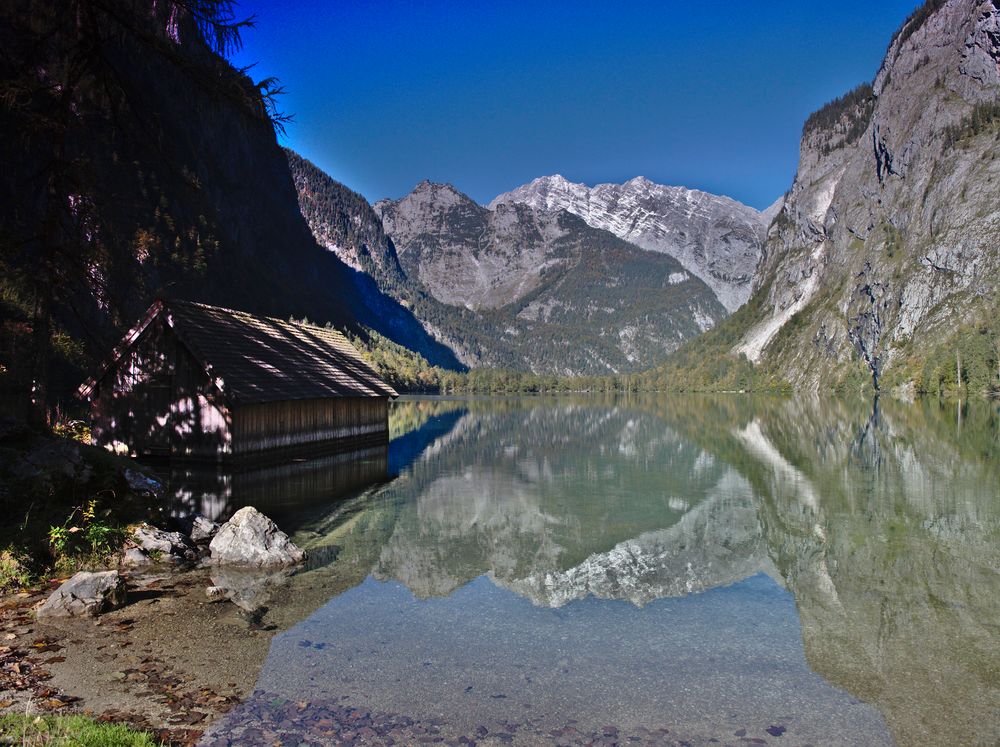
(643, 570)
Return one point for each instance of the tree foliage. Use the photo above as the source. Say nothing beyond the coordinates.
(844, 119)
(86, 222)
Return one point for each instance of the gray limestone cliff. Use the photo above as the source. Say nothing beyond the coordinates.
(886, 246)
(602, 305)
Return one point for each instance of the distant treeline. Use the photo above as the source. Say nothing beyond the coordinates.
(410, 372)
(968, 363)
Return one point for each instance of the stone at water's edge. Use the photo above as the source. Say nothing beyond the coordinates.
(251, 539)
(203, 530)
(86, 594)
(151, 539)
(148, 544)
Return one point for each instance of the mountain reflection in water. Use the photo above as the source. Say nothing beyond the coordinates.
(711, 565)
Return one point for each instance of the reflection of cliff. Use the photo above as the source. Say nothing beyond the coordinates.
(884, 524)
(718, 542)
(564, 499)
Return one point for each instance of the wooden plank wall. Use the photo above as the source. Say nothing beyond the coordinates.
(158, 401)
(296, 423)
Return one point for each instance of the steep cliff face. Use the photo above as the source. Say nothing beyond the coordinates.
(885, 251)
(601, 304)
(344, 223)
(715, 238)
(138, 162)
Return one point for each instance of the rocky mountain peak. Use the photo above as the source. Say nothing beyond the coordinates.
(603, 304)
(715, 238)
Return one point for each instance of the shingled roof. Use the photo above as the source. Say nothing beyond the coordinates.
(261, 359)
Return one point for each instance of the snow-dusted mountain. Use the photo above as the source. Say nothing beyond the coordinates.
(716, 238)
(561, 296)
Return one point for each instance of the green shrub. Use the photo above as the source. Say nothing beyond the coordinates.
(86, 531)
(14, 569)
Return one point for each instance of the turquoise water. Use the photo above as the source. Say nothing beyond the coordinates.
(659, 570)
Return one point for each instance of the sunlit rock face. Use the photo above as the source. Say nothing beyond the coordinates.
(522, 274)
(886, 243)
(715, 238)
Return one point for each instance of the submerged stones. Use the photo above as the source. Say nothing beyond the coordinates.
(252, 540)
(87, 594)
(250, 589)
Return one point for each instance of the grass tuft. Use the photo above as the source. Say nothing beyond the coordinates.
(29, 730)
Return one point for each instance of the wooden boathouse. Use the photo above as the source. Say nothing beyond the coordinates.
(201, 382)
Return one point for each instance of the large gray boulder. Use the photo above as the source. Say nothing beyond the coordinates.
(86, 594)
(251, 539)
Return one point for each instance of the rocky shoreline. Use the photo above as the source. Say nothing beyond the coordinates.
(166, 636)
(165, 656)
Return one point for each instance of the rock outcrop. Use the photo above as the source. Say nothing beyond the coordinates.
(203, 530)
(886, 244)
(147, 544)
(715, 238)
(250, 539)
(86, 594)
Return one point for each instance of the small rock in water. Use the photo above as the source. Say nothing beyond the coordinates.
(252, 539)
(86, 594)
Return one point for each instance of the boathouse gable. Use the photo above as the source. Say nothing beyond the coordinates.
(197, 381)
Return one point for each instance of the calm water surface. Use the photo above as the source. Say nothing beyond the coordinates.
(658, 570)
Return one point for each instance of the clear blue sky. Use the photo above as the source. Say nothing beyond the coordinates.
(487, 96)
